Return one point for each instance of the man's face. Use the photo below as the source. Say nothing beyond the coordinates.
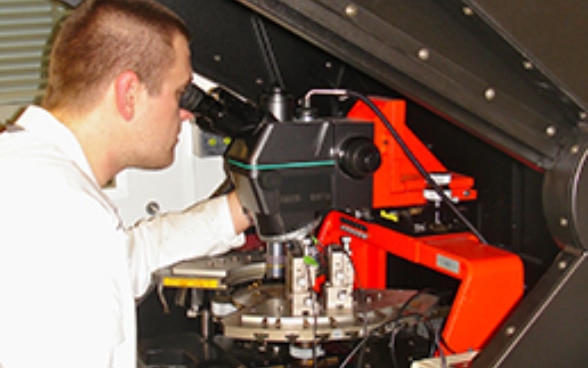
(161, 116)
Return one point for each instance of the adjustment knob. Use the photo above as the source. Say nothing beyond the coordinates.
(359, 157)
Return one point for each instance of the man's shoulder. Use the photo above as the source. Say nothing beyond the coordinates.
(22, 154)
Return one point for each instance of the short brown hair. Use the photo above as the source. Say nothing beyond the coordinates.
(102, 38)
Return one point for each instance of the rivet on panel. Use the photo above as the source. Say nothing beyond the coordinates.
(217, 58)
(562, 265)
(583, 115)
(551, 130)
(575, 149)
(351, 10)
(424, 54)
(528, 65)
(468, 11)
(328, 65)
(510, 330)
(563, 222)
(490, 94)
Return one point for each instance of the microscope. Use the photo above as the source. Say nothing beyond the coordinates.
(331, 198)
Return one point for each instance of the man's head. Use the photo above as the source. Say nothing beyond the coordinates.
(131, 60)
(102, 38)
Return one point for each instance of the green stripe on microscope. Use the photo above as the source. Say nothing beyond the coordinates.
(287, 165)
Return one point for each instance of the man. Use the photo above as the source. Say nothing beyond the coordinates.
(68, 269)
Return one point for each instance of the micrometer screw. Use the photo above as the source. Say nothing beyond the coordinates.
(346, 242)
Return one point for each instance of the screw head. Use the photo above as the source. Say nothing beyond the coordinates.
(351, 10)
(510, 330)
(424, 54)
(490, 94)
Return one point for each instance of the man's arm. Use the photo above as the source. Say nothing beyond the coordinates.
(241, 218)
(210, 227)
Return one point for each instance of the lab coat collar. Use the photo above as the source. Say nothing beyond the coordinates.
(44, 125)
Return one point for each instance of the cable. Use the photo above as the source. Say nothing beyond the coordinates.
(162, 299)
(392, 344)
(267, 52)
(441, 352)
(360, 289)
(354, 351)
(405, 149)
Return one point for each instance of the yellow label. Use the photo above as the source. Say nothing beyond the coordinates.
(190, 283)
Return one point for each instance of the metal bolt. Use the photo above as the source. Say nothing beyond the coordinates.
(562, 265)
(551, 130)
(510, 330)
(259, 81)
(217, 58)
(328, 65)
(351, 10)
(424, 54)
(563, 222)
(152, 208)
(528, 65)
(468, 11)
(575, 149)
(490, 94)
(583, 115)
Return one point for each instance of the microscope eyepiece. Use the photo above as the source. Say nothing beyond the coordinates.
(221, 112)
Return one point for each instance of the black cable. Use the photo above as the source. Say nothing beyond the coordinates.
(392, 346)
(267, 52)
(446, 345)
(394, 321)
(360, 291)
(406, 151)
(315, 317)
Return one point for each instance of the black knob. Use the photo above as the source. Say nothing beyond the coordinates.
(359, 157)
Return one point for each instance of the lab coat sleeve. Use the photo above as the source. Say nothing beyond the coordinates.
(203, 229)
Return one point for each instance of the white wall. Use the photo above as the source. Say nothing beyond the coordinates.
(190, 178)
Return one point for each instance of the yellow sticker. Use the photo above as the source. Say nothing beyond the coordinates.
(191, 283)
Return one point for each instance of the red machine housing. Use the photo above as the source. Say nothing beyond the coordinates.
(397, 183)
(491, 280)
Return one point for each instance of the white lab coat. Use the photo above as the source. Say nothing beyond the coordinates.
(69, 271)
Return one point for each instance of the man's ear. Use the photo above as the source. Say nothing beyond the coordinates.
(126, 90)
